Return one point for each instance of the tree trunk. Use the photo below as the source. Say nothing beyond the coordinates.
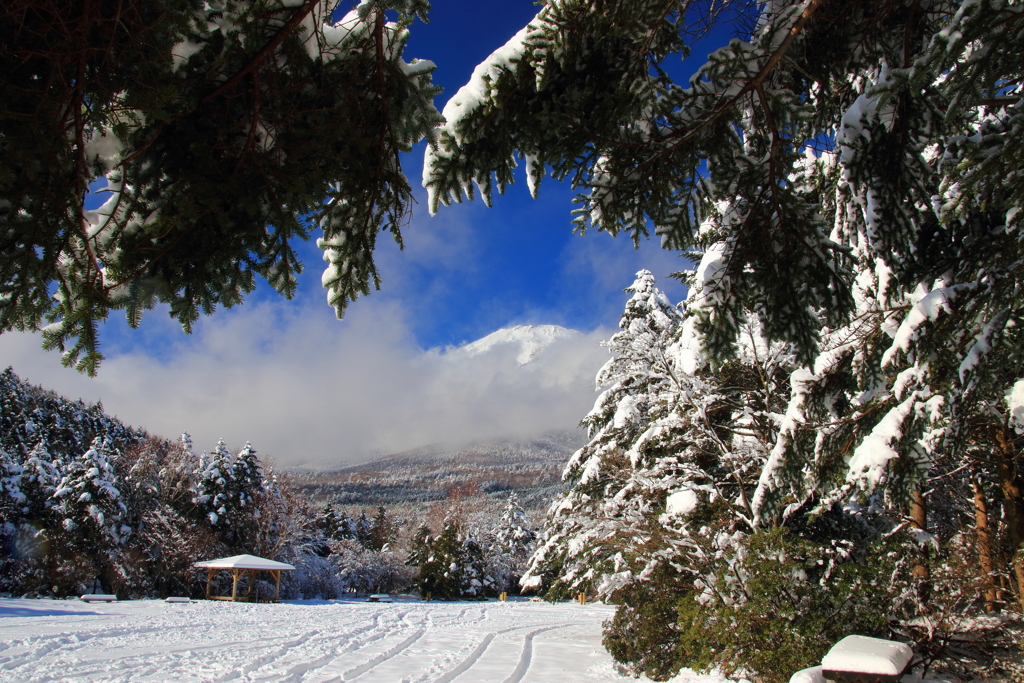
(984, 541)
(921, 571)
(1010, 484)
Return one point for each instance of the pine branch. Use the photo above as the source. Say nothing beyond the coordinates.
(267, 50)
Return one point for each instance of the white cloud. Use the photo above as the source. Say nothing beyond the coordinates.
(307, 389)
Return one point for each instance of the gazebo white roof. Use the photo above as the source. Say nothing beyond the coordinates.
(245, 562)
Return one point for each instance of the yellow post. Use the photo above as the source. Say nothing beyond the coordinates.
(277, 587)
(234, 584)
(209, 578)
(503, 596)
(583, 598)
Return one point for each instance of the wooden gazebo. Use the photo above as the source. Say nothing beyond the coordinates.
(239, 566)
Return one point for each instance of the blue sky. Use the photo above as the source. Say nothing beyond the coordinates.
(516, 263)
(308, 388)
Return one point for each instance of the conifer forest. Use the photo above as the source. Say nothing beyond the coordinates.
(824, 437)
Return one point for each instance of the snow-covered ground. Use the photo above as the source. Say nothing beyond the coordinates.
(404, 641)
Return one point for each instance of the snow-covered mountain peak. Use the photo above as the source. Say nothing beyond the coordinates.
(531, 340)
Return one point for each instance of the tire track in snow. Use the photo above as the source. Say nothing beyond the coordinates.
(469, 661)
(359, 637)
(58, 647)
(526, 656)
(380, 659)
(264, 659)
(296, 672)
(64, 644)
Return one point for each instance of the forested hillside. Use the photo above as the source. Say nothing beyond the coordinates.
(88, 502)
(91, 505)
(34, 418)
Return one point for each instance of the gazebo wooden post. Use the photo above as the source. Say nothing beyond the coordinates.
(234, 585)
(277, 587)
(209, 578)
(252, 584)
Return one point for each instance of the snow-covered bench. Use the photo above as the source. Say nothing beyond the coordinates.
(174, 599)
(859, 659)
(379, 597)
(99, 597)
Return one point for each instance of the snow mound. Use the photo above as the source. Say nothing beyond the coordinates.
(531, 340)
(811, 675)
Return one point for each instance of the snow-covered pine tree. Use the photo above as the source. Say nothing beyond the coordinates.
(177, 476)
(915, 388)
(448, 569)
(419, 548)
(215, 485)
(514, 537)
(346, 527)
(381, 530)
(329, 523)
(27, 517)
(141, 486)
(40, 475)
(511, 543)
(88, 503)
(675, 515)
(247, 475)
(12, 500)
(668, 437)
(361, 529)
(578, 551)
(477, 578)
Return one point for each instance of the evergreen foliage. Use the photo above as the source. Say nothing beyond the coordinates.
(216, 126)
(380, 532)
(330, 524)
(849, 175)
(216, 485)
(88, 502)
(780, 602)
(664, 515)
(442, 574)
(667, 436)
(453, 564)
(419, 550)
(31, 415)
(361, 529)
(513, 535)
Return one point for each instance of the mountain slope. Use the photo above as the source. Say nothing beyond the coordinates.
(531, 341)
(532, 468)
